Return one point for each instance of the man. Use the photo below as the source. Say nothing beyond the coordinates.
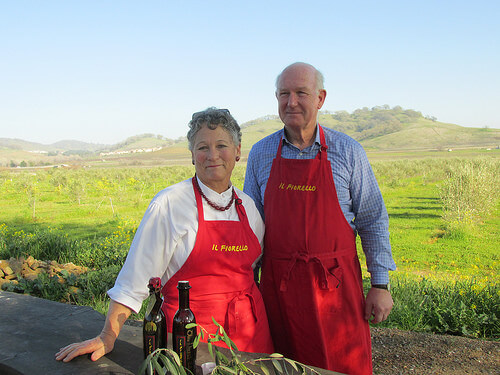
(316, 190)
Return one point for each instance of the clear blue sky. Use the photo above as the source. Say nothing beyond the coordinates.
(101, 71)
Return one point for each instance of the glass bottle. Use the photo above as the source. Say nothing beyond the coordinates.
(182, 337)
(154, 329)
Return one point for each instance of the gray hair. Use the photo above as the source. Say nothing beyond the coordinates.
(213, 117)
(320, 79)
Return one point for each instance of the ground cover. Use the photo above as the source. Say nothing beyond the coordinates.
(88, 216)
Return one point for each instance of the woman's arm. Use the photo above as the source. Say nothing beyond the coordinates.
(102, 344)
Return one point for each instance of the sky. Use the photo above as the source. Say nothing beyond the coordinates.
(102, 71)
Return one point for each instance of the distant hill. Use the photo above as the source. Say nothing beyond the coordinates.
(60, 146)
(378, 129)
(383, 128)
(143, 141)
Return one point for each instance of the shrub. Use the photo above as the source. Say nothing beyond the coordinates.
(470, 192)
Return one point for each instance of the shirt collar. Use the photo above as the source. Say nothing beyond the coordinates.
(317, 139)
(213, 195)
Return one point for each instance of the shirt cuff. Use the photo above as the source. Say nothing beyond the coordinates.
(380, 277)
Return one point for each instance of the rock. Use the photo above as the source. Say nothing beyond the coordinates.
(5, 267)
(30, 261)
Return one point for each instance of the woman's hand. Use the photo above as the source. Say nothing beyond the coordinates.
(97, 347)
(102, 344)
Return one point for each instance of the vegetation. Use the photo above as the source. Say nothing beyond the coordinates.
(447, 279)
(163, 360)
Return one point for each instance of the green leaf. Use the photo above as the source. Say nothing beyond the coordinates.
(182, 371)
(276, 355)
(159, 369)
(176, 358)
(142, 369)
(264, 369)
(210, 349)
(171, 368)
(222, 357)
(277, 366)
(228, 370)
(196, 342)
(292, 363)
(215, 322)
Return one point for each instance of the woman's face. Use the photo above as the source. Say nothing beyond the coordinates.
(214, 155)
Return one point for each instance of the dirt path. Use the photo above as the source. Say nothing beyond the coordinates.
(404, 352)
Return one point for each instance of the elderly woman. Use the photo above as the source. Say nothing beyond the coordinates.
(203, 230)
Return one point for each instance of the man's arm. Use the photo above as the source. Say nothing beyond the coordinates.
(251, 185)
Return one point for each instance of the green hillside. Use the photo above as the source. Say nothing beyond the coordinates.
(379, 129)
(388, 129)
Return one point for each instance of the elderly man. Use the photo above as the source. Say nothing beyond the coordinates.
(316, 191)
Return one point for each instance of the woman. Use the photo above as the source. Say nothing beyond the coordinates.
(203, 230)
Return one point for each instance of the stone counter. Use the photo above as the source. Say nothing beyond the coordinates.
(32, 330)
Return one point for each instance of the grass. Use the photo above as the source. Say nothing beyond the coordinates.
(447, 279)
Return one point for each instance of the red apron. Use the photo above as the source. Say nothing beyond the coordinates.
(311, 278)
(219, 270)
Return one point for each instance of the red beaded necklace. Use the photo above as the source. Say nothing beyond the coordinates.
(212, 204)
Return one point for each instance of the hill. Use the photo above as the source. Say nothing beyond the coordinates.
(388, 129)
(378, 129)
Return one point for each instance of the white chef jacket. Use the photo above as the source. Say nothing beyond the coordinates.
(167, 234)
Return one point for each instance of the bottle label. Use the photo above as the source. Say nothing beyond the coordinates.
(150, 342)
(180, 345)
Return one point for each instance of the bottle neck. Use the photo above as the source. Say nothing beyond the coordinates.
(184, 299)
(158, 302)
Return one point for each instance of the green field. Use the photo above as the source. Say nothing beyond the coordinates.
(447, 279)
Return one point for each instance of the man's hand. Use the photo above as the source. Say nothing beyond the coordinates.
(378, 304)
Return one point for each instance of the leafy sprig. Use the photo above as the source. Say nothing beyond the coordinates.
(224, 364)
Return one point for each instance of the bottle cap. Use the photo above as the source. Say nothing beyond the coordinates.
(183, 285)
(155, 283)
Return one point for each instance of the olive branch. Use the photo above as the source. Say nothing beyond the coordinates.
(166, 361)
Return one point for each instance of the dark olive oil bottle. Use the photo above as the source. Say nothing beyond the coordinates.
(182, 337)
(154, 329)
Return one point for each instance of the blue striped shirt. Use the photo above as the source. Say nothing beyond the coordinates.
(357, 190)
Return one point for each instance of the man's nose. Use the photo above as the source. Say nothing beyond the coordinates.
(292, 100)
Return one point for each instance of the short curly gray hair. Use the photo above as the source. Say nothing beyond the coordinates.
(213, 117)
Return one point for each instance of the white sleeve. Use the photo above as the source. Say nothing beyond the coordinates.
(149, 256)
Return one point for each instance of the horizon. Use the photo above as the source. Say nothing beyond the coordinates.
(102, 72)
(180, 138)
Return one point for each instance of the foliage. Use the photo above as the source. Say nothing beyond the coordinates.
(470, 192)
(423, 245)
(465, 307)
(224, 364)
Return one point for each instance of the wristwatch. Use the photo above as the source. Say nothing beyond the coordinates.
(382, 286)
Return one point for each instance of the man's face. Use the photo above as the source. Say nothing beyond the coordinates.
(298, 98)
